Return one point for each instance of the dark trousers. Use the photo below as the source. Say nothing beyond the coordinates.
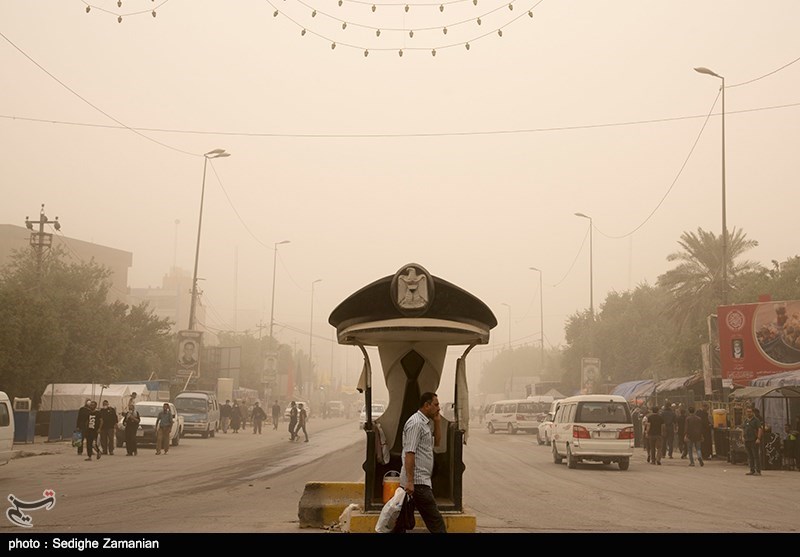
(297, 431)
(426, 506)
(107, 440)
(275, 420)
(753, 456)
(91, 441)
(667, 443)
(292, 426)
(257, 426)
(654, 448)
(130, 440)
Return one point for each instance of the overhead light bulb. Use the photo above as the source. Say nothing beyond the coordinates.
(344, 25)
(88, 9)
(333, 45)
(303, 33)
(433, 52)
(366, 53)
(314, 13)
(444, 30)
(511, 7)
(500, 32)
(400, 53)
(377, 32)
(374, 7)
(467, 46)
(411, 33)
(119, 19)
(479, 21)
(441, 7)
(154, 13)
(275, 13)
(406, 7)
(530, 13)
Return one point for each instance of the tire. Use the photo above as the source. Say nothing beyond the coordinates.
(212, 433)
(624, 463)
(204, 435)
(176, 440)
(556, 457)
(606, 462)
(490, 427)
(572, 462)
(539, 440)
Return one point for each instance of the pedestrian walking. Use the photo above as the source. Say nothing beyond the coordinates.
(236, 417)
(753, 431)
(655, 435)
(225, 412)
(292, 421)
(421, 433)
(276, 415)
(94, 422)
(302, 418)
(131, 423)
(164, 429)
(258, 416)
(108, 431)
(693, 437)
(81, 422)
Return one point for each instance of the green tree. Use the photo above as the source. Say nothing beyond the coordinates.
(696, 282)
(57, 326)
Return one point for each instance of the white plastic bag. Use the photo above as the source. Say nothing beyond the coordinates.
(344, 518)
(390, 512)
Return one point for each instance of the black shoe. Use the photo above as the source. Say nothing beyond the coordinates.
(701, 462)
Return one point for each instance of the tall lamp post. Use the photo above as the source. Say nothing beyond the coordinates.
(215, 154)
(591, 282)
(274, 264)
(724, 223)
(541, 313)
(311, 330)
(511, 362)
(591, 271)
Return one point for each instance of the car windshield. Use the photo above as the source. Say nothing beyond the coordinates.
(191, 405)
(148, 409)
(603, 412)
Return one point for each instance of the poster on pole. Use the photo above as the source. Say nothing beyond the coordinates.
(590, 375)
(190, 344)
(269, 373)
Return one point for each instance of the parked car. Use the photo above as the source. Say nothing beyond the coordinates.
(336, 409)
(6, 429)
(146, 434)
(544, 435)
(377, 410)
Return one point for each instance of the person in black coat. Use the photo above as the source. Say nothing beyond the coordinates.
(82, 423)
(131, 423)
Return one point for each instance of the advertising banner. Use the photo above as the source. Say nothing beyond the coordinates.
(590, 375)
(758, 339)
(190, 344)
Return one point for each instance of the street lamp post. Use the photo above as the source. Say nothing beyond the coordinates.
(591, 271)
(311, 330)
(591, 282)
(541, 315)
(274, 264)
(215, 154)
(724, 223)
(511, 358)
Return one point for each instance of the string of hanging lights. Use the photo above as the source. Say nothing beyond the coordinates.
(151, 10)
(408, 31)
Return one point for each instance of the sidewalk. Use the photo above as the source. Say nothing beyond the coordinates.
(41, 446)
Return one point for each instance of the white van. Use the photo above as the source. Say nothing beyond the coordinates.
(513, 416)
(595, 428)
(6, 429)
(200, 411)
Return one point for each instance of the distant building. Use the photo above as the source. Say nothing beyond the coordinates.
(117, 261)
(171, 300)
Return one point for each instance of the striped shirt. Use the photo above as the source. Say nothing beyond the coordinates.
(418, 439)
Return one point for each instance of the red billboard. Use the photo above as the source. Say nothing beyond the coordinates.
(758, 339)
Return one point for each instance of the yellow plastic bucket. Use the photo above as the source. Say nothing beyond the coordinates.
(720, 416)
(391, 481)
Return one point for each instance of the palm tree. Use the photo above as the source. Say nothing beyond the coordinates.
(696, 283)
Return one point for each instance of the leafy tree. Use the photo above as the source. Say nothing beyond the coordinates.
(57, 326)
(696, 283)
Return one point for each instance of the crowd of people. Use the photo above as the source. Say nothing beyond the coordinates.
(663, 431)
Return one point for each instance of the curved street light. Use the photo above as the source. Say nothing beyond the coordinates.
(215, 154)
(706, 71)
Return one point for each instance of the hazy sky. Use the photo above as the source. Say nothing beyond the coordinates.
(470, 163)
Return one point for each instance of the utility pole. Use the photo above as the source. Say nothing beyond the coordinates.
(40, 240)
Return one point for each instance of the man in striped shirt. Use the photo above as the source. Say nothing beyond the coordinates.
(421, 433)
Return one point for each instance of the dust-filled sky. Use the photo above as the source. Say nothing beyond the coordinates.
(470, 163)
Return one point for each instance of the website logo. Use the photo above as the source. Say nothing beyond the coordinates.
(16, 512)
